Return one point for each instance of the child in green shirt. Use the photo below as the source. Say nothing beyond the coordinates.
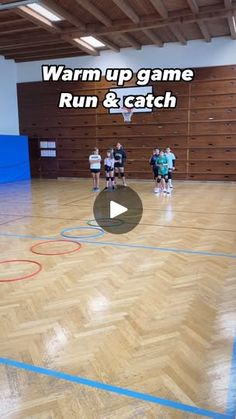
(162, 180)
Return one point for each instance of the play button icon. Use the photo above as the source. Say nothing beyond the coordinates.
(118, 211)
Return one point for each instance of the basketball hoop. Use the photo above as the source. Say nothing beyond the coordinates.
(127, 114)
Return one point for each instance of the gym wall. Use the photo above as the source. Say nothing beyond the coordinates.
(9, 123)
(201, 131)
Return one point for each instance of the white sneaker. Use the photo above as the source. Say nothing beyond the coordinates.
(157, 190)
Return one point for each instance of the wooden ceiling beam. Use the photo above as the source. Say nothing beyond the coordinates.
(92, 9)
(28, 44)
(40, 54)
(201, 24)
(127, 10)
(193, 6)
(175, 29)
(6, 13)
(95, 11)
(232, 24)
(48, 57)
(160, 8)
(37, 19)
(153, 37)
(81, 45)
(12, 22)
(204, 30)
(111, 45)
(18, 30)
(123, 28)
(49, 26)
(128, 38)
(151, 22)
(25, 40)
(54, 7)
(228, 4)
(35, 48)
(43, 57)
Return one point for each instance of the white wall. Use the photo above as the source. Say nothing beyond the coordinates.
(221, 51)
(8, 97)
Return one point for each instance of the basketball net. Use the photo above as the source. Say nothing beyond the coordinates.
(127, 114)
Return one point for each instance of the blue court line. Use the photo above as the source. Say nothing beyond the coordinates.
(231, 405)
(113, 389)
(161, 249)
(131, 246)
(27, 236)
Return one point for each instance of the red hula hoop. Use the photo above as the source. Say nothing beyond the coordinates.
(20, 278)
(55, 241)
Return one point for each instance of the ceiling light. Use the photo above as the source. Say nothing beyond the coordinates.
(43, 11)
(93, 41)
(83, 44)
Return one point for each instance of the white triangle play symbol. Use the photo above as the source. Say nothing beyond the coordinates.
(116, 209)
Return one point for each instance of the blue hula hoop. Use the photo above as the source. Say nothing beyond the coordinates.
(100, 233)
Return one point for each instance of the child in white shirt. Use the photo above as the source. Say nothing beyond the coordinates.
(95, 168)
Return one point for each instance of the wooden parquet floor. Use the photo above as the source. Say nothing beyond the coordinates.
(158, 318)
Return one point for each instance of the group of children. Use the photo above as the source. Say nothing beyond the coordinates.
(114, 165)
(162, 162)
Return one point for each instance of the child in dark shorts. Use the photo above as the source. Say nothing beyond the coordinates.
(109, 169)
(153, 163)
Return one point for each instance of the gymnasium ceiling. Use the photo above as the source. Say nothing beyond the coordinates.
(25, 35)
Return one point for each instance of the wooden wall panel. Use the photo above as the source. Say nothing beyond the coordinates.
(226, 114)
(212, 166)
(141, 153)
(212, 141)
(201, 130)
(84, 144)
(57, 132)
(145, 144)
(213, 153)
(209, 128)
(213, 101)
(58, 121)
(216, 73)
(206, 88)
(218, 176)
(156, 117)
(177, 88)
(136, 130)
